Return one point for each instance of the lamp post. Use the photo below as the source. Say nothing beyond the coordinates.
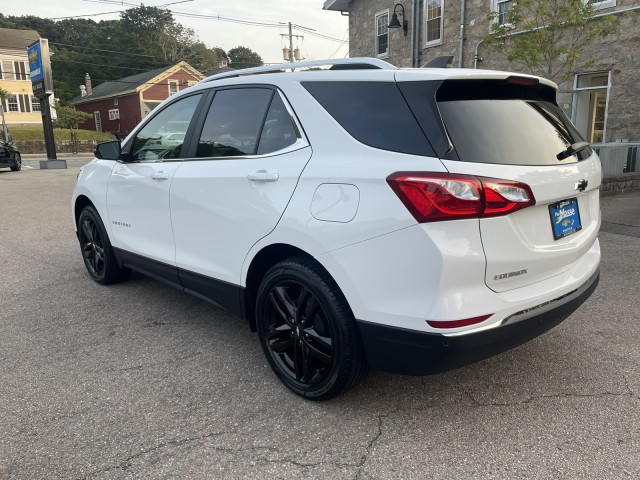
(395, 23)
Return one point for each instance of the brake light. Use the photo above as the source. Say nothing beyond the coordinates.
(525, 81)
(457, 323)
(432, 197)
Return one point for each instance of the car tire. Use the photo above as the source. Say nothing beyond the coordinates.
(18, 165)
(307, 330)
(97, 252)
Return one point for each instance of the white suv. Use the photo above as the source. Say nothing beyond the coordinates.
(361, 216)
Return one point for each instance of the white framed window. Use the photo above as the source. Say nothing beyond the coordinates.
(115, 101)
(21, 70)
(600, 4)
(12, 104)
(7, 70)
(433, 15)
(98, 120)
(501, 8)
(173, 87)
(590, 105)
(35, 103)
(114, 114)
(382, 33)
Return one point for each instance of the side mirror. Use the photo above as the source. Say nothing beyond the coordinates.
(108, 150)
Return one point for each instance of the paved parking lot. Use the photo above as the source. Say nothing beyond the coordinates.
(138, 380)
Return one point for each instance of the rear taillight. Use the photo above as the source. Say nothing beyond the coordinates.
(457, 323)
(432, 197)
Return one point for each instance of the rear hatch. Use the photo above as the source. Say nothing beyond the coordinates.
(512, 129)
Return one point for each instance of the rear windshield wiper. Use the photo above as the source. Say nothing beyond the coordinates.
(572, 150)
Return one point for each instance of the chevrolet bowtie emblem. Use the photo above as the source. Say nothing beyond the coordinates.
(582, 185)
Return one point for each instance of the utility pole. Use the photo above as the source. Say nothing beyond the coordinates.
(291, 35)
(290, 44)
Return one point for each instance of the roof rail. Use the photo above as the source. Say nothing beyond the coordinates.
(336, 64)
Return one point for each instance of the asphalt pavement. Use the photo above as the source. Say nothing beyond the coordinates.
(140, 381)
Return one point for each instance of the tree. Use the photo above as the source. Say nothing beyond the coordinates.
(558, 34)
(4, 95)
(69, 117)
(243, 57)
(221, 56)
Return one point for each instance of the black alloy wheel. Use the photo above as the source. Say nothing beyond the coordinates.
(18, 163)
(299, 335)
(96, 249)
(307, 330)
(92, 247)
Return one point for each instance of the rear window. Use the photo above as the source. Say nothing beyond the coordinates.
(374, 113)
(493, 121)
(513, 132)
(499, 122)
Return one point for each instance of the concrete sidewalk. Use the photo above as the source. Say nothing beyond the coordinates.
(74, 160)
(621, 214)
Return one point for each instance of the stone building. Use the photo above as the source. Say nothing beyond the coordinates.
(602, 99)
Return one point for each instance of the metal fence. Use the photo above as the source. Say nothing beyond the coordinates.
(619, 158)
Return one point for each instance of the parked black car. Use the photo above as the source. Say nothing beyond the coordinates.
(10, 157)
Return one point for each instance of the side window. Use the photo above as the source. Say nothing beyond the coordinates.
(278, 131)
(233, 123)
(163, 136)
(374, 113)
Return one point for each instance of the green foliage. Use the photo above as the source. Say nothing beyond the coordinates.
(4, 94)
(243, 57)
(559, 33)
(25, 134)
(143, 39)
(69, 117)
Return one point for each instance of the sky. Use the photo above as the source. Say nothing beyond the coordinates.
(265, 40)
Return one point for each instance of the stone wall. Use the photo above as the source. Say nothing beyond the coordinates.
(619, 53)
(62, 146)
(629, 182)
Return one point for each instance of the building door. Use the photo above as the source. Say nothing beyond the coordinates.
(96, 117)
(590, 102)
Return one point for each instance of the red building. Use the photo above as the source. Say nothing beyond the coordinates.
(118, 106)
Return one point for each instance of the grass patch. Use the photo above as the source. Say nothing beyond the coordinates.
(25, 134)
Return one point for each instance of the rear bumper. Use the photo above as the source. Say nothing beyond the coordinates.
(410, 352)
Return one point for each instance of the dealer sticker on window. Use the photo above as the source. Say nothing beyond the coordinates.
(565, 218)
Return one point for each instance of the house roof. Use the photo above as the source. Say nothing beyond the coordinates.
(17, 39)
(338, 5)
(133, 83)
(118, 87)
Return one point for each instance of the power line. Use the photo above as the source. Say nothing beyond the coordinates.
(103, 65)
(101, 50)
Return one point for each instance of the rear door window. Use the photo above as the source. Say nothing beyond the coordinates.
(234, 122)
(279, 130)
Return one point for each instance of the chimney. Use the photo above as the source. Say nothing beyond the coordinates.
(83, 91)
(87, 83)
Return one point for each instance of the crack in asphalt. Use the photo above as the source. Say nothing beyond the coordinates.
(631, 392)
(477, 403)
(359, 465)
(126, 463)
(371, 444)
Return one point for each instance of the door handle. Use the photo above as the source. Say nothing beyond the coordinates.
(263, 176)
(160, 176)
